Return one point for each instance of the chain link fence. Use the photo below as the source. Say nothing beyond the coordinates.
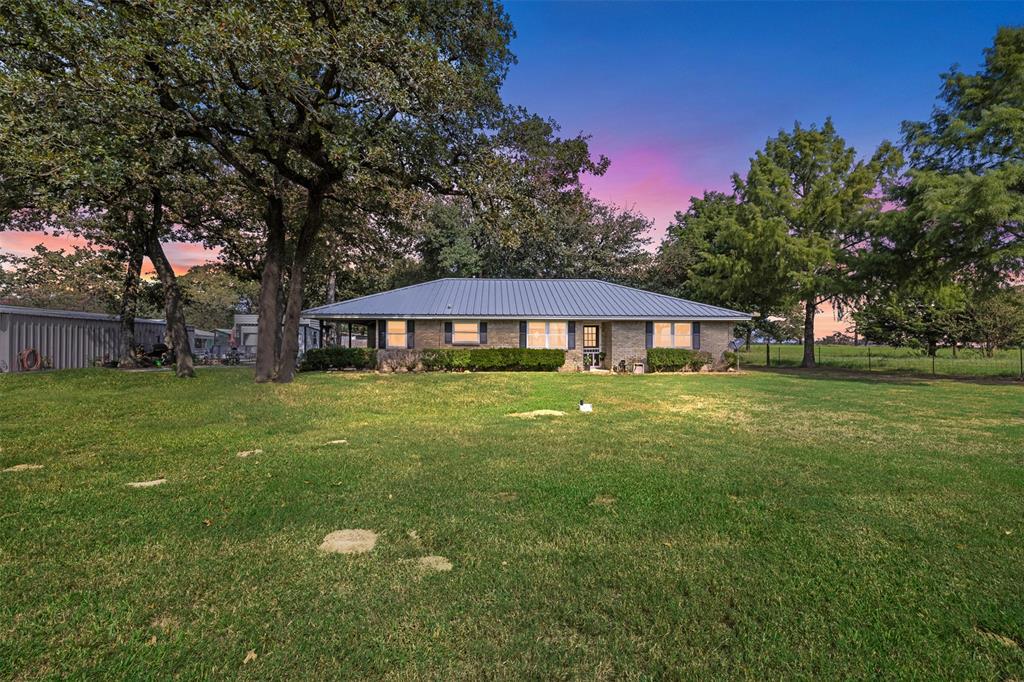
(970, 362)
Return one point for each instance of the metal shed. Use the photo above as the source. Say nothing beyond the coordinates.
(246, 332)
(68, 338)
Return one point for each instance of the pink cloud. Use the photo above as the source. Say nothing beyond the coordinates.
(183, 255)
(650, 180)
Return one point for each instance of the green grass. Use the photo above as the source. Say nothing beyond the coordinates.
(967, 362)
(765, 525)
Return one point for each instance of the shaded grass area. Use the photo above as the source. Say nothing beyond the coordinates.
(967, 362)
(751, 525)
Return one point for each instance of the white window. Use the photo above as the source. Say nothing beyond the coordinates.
(547, 334)
(465, 333)
(673, 335)
(396, 337)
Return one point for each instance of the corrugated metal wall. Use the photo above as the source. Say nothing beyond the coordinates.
(75, 340)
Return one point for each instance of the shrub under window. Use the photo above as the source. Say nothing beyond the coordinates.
(676, 359)
(320, 359)
(494, 359)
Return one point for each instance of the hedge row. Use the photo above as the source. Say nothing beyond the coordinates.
(675, 359)
(320, 359)
(494, 359)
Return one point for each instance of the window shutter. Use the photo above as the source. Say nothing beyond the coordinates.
(448, 333)
(572, 336)
(650, 335)
(410, 334)
(696, 335)
(522, 334)
(483, 333)
(382, 334)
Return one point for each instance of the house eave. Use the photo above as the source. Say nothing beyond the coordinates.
(603, 318)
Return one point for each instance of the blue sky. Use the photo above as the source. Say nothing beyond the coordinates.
(680, 95)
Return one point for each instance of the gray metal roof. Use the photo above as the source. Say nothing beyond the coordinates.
(67, 314)
(522, 298)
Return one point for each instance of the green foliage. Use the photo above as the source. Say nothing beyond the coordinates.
(320, 359)
(89, 280)
(730, 359)
(563, 233)
(997, 320)
(494, 359)
(676, 359)
(794, 228)
(964, 205)
(212, 295)
(921, 318)
(681, 267)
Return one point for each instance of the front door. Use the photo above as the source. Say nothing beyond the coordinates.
(592, 345)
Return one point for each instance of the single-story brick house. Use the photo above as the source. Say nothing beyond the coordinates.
(613, 324)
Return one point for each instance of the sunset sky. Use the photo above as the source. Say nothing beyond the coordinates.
(680, 95)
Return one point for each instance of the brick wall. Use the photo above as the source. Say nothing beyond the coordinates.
(500, 334)
(626, 342)
(620, 340)
(715, 338)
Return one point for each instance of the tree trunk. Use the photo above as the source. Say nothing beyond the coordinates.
(332, 286)
(933, 348)
(332, 293)
(749, 332)
(809, 310)
(172, 293)
(269, 321)
(130, 304)
(293, 308)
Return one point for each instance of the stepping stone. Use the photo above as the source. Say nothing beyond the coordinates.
(349, 541)
(147, 484)
(435, 563)
(533, 414)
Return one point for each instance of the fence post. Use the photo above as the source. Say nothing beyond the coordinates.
(933, 365)
(869, 358)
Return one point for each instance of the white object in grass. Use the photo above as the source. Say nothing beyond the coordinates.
(586, 407)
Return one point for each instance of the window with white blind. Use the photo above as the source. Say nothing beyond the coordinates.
(673, 335)
(396, 334)
(547, 334)
(466, 333)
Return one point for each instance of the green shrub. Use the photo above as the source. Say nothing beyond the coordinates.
(493, 359)
(730, 359)
(675, 359)
(321, 359)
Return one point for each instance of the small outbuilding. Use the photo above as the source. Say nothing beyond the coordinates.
(32, 338)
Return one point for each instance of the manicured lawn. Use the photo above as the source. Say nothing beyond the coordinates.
(757, 525)
(968, 362)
